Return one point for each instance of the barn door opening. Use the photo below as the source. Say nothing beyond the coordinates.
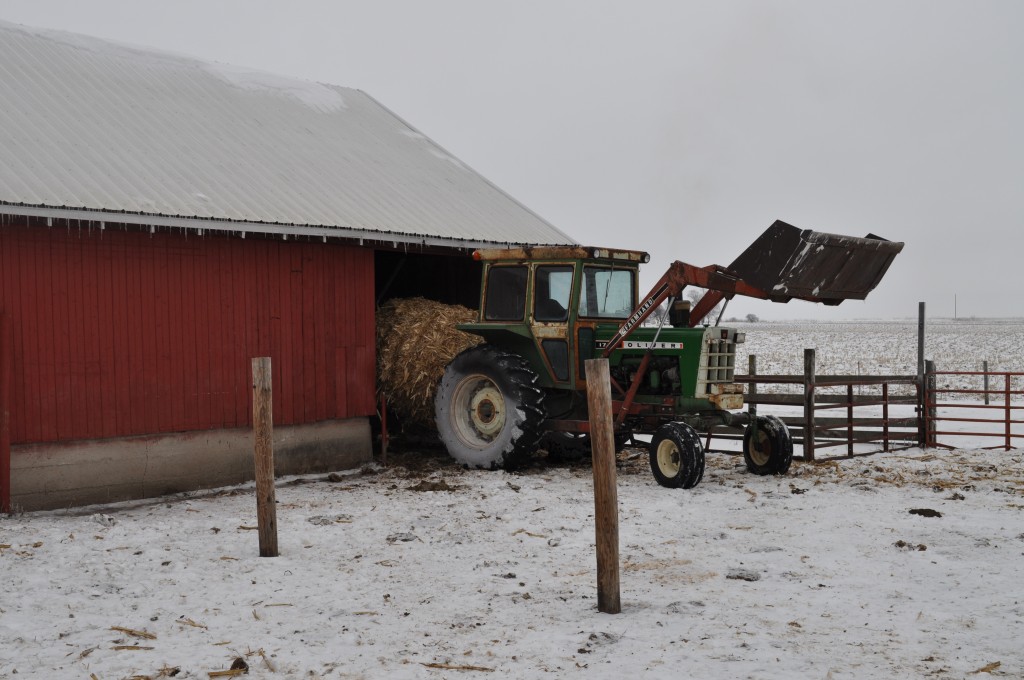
(451, 279)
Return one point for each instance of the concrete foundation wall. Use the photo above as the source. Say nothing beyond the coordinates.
(47, 476)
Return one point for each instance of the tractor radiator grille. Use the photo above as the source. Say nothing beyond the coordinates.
(721, 361)
(718, 364)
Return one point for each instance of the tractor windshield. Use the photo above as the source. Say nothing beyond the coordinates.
(607, 293)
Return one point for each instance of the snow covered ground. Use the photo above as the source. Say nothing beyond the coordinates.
(425, 570)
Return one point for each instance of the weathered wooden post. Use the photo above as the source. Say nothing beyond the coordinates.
(809, 404)
(849, 420)
(885, 417)
(752, 370)
(606, 502)
(6, 366)
(263, 450)
(920, 340)
(930, 400)
(922, 389)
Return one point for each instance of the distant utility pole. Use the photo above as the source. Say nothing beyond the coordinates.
(954, 306)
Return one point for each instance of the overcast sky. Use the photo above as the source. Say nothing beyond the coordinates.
(680, 128)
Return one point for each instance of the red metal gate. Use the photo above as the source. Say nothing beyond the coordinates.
(941, 406)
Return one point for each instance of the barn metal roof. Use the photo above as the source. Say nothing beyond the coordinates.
(91, 129)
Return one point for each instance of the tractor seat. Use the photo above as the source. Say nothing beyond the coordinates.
(550, 310)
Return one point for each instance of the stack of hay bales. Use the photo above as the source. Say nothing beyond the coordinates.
(416, 338)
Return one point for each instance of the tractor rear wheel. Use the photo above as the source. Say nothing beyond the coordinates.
(770, 450)
(677, 456)
(489, 410)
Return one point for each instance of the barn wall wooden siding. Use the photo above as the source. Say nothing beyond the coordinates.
(122, 333)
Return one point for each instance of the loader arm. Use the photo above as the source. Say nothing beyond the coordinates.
(719, 282)
(783, 263)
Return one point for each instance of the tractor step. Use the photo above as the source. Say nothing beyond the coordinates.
(787, 262)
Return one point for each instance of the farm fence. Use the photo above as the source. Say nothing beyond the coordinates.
(865, 414)
(993, 400)
(864, 408)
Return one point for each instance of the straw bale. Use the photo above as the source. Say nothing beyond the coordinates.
(416, 339)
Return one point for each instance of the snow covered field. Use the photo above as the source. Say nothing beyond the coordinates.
(906, 564)
(885, 347)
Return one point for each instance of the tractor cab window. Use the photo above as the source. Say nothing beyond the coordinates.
(607, 293)
(506, 294)
(552, 286)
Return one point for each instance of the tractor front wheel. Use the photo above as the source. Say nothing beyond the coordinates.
(488, 408)
(767, 446)
(677, 456)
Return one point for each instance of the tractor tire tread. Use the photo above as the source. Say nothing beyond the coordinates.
(691, 456)
(526, 401)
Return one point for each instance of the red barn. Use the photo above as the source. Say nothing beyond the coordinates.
(162, 221)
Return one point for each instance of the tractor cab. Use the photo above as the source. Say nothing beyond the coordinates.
(550, 304)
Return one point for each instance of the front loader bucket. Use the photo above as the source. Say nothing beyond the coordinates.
(787, 263)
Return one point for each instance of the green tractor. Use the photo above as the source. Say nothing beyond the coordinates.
(544, 311)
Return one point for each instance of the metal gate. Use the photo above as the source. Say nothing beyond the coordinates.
(993, 412)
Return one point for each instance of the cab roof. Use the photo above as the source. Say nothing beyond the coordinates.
(561, 253)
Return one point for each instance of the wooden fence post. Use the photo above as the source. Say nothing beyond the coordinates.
(931, 410)
(752, 370)
(920, 340)
(885, 417)
(6, 366)
(849, 420)
(263, 450)
(809, 404)
(606, 503)
(922, 389)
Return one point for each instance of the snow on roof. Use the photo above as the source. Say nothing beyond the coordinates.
(120, 131)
